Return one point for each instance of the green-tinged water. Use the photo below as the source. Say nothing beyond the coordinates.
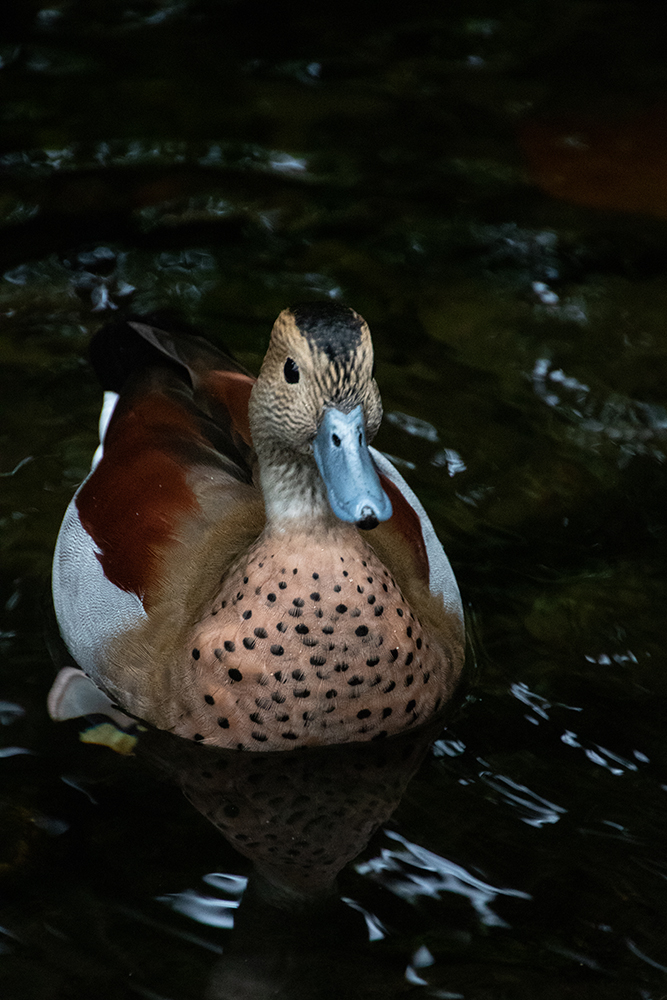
(484, 183)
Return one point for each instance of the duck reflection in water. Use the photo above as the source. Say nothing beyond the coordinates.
(241, 570)
(299, 817)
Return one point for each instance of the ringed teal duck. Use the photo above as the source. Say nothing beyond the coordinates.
(240, 567)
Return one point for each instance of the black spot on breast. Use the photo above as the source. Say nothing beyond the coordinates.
(399, 612)
(408, 659)
(331, 694)
(393, 654)
(257, 718)
(282, 718)
(378, 610)
(298, 602)
(195, 654)
(408, 680)
(278, 697)
(246, 615)
(298, 675)
(209, 699)
(302, 693)
(355, 681)
(327, 629)
(373, 662)
(235, 675)
(230, 646)
(198, 737)
(277, 650)
(364, 713)
(341, 608)
(340, 668)
(261, 633)
(318, 661)
(245, 579)
(289, 736)
(223, 723)
(295, 612)
(249, 643)
(239, 596)
(418, 643)
(281, 627)
(386, 712)
(282, 585)
(371, 598)
(360, 590)
(260, 737)
(390, 687)
(337, 589)
(271, 597)
(410, 705)
(217, 653)
(278, 675)
(302, 629)
(361, 630)
(315, 596)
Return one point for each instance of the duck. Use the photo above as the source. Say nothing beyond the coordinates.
(241, 568)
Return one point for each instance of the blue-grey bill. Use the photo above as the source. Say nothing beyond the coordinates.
(353, 485)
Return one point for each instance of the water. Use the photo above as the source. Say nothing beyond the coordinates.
(483, 183)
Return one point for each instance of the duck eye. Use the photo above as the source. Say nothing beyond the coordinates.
(291, 371)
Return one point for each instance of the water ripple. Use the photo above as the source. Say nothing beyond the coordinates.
(412, 871)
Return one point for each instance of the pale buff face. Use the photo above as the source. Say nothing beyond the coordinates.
(308, 370)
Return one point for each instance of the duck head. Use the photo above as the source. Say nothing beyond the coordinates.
(313, 412)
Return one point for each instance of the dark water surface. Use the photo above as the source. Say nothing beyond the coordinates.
(486, 184)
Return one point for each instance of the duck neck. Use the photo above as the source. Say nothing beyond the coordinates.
(295, 496)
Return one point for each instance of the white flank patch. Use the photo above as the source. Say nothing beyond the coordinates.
(441, 576)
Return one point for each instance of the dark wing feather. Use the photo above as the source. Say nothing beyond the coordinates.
(182, 417)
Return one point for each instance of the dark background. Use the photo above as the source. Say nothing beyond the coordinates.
(487, 184)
